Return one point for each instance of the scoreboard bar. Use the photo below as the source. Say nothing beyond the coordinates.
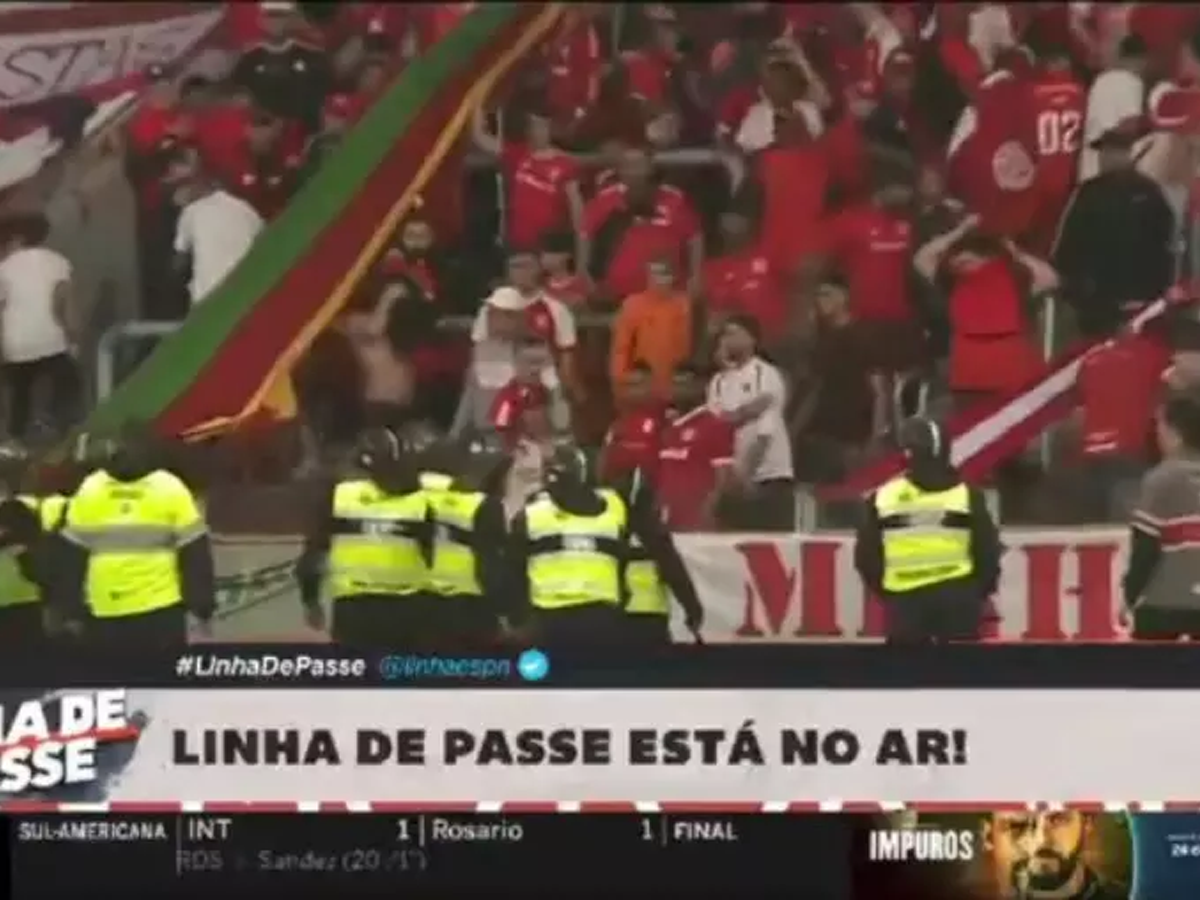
(453, 850)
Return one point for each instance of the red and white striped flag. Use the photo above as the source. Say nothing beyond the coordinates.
(996, 430)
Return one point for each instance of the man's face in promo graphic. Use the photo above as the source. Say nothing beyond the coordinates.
(1037, 853)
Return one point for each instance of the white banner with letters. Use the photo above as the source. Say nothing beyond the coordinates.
(49, 50)
(471, 745)
(1056, 585)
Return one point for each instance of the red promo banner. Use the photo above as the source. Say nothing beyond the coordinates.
(1055, 586)
(49, 50)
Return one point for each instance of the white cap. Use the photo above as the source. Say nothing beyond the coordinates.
(507, 299)
(277, 6)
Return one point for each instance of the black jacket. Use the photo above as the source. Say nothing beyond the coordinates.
(985, 538)
(646, 521)
(1115, 246)
(289, 80)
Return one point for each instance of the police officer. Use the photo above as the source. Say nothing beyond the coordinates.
(569, 548)
(21, 612)
(467, 572)
(928, 546)
(133, 555)
(371, 548)
(650, 584)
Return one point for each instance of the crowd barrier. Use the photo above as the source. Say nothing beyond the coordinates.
(1056, 585)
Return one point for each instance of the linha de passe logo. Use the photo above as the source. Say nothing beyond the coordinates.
(52, 741)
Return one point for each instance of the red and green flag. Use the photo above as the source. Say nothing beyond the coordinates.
(233, 357)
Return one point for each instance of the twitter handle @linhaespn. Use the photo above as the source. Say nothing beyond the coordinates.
(530, 665)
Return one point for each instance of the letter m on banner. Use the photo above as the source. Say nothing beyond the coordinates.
(800, 589)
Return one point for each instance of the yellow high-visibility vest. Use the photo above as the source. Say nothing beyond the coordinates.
(133, 531)
(648, 595)
(375, 547)
(926, 535)
(454, 571)
(575, 560)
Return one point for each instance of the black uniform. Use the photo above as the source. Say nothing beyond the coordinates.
(654, 545)
(289, 79)
(1115, 248)
(950, 610)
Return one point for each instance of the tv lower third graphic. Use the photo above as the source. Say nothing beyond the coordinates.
(53, 741)
(201, 665)
(998, 854)
(531, 665)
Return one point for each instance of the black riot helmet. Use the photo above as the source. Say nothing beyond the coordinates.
(378, 446)
(479, 460)
(388, 459)
(568, 468)
(925, 443)
(426, 444)
(133, 453)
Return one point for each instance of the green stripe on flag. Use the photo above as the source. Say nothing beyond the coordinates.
(179, 359)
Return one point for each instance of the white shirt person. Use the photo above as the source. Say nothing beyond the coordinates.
(215, 230)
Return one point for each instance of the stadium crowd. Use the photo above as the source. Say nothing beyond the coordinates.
(728, 244)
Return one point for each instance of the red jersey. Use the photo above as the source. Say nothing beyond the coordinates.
(874, 249)
(147, 131)
(649, 75)
(794, 182)
(570, 290)
(693, 447)
(990, 350)
(633, 443)
(512, 402)
(574, 62)
(1059, 105)
(845, 154)
(745, 282)
(992, 153)
(665, 232)
(220, 136)
(1120, 386)
(394, 262)
(266, 182)
(1165, 27)
(537, 198)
